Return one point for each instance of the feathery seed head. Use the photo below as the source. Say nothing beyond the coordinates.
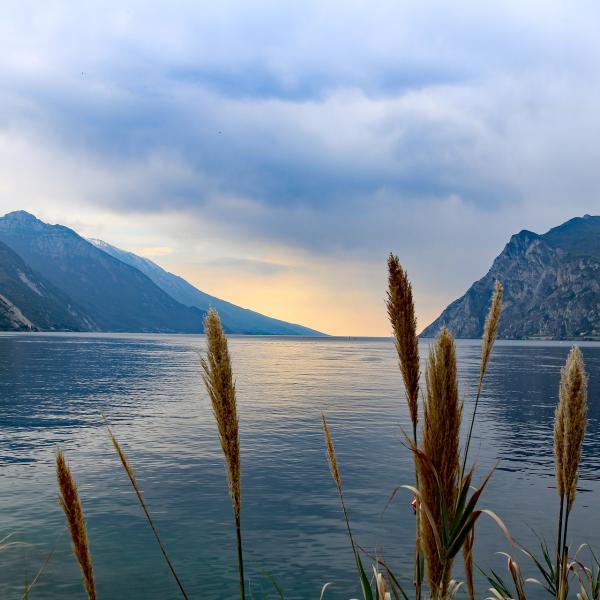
(335, 472)
(439, 473)
(123, 458)
(491, 327)
(573, 397)
(401, 311)
(218, 379)
(71, 505)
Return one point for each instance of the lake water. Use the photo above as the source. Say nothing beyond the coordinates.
(53, 389)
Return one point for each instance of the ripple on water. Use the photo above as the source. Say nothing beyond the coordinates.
(54, 388)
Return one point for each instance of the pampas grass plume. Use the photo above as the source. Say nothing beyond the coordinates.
(491, 328)
(71, 505)
(438, 476)
(573, 396)
(218, 379)
(401, 312)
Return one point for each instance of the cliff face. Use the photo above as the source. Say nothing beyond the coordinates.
(551, 283)
(29, 302)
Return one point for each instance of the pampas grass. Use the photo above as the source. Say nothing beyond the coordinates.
(332, 459)
(401, 312)
(447, 503)
(71, 505)
(573, 394)
(335, 474)
(487, 344)
(439, 470)
(569, 430)
(490, 330)
(218, 379)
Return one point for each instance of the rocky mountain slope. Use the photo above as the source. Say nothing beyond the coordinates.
(552, 287)
(115, 295)
(29, 302)
(234, 318)
(53, 279)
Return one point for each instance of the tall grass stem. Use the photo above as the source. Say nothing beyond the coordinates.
(138, 492)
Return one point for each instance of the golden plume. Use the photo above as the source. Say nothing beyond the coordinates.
(71, 505)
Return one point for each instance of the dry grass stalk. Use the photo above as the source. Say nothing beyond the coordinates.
(401, 311)
(491, 328)
(573, 394)
(138, 492)
(441, 446)
(71, 505)
(335, 473)
(332, 459)
(218, 378)
(487, 344)
(570, 422)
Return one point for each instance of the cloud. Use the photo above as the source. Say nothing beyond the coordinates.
(246, 265)
(313, 131)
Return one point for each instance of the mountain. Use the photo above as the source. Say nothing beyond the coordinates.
(29, 302)
(551, 287)
(234, 318)
(113, 295)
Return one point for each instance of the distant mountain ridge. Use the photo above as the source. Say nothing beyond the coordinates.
(234, 318)
(114, 295)
(552, 287)
(53, 279)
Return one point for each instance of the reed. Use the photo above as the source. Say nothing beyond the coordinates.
(401, 313)
(490, 333)
(332, 460)
(138, 492)
(569, 430)
(574, 391)
(439, 467)
(559, 453)
(337, 478)
(71, 505)
(218, 379)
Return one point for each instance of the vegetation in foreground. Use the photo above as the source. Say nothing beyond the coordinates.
(446, 499)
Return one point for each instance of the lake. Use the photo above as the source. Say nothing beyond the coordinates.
(54, 388)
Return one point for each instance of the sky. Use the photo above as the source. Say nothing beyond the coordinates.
(273, 153)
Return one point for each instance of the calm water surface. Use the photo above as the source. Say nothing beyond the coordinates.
(53, 389)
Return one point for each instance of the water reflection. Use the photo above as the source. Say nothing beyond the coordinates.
(54, 388)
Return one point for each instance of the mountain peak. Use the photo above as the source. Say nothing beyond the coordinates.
(21, 216)
(20, 221)
(579, 236)
(551, 284)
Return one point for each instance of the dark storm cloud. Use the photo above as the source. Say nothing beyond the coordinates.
(333, 127)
